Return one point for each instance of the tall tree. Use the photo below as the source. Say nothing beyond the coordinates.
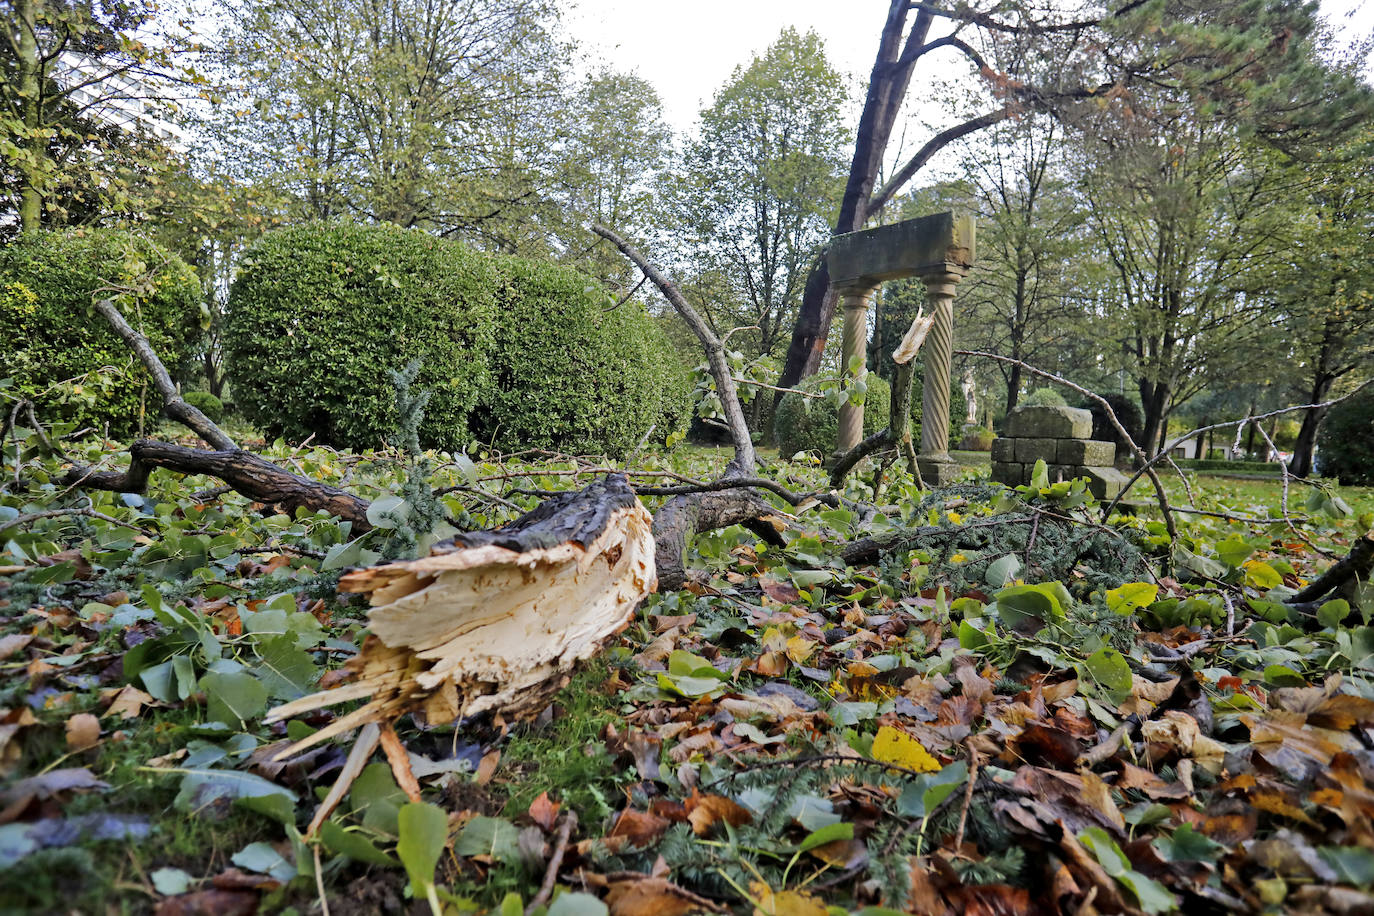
(1244, 58)
(1020, 299)
(433, 113)
(83, 86)
(760, 182)
(1327, 302)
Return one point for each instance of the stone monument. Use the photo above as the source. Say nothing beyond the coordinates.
(939, 249)
(1062, 438)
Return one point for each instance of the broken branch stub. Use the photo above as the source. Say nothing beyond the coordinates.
(490, 621)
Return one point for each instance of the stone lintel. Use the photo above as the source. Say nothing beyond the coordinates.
(942, 243)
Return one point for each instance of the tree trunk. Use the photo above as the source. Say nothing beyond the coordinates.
(1306, 446)
(886, 89)
(30, 85)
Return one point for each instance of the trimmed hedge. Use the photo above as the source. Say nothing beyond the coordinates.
(50, 331)
(1346, 442)
(206, 403)
(318, 313)
(517, 353)
(1044, 397)
(1213, 464)
(569, 375)
(813, 424)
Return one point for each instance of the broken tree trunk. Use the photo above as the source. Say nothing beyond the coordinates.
(492, 620)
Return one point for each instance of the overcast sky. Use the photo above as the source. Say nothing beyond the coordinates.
(688, 49)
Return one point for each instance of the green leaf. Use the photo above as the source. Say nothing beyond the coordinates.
(1020, 605)
(1353, 864)
(1110, 670)
(1131, 597)
(1188, 845)
(827, 834)
(200, 787)
(423, 836)
(353, 844)
(1002, 571)
(284, 669)
(1040, 475)
(970, 637)
(1233, 551)
(577, 904)
(923, 794)
(262, 858)
(233, 698)
(171, 881)
(1333, 612)
(383, 511)
(376, 796)
(1261, 575)
(1151, 896)
(278, 807)
(488, 836)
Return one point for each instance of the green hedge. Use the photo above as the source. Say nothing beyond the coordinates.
(570, 375)
(318, 314)
(50, 331)
(1345, 441)
(1211, 464)
(804, 424)
(206, 403)
(517, 353)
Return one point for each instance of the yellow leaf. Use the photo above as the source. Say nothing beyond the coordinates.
(892, 745)
(1261, 575)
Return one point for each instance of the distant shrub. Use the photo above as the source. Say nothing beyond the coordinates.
(516, 353)
(1285, 434)
(206, 403)
(50, 331)
(1345, 442)
(977, 439)
(1043, 397)
(1127, 412)
(318, 314)
(813, 424)
(568, 374)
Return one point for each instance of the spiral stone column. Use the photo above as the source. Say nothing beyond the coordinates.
(856, 301)
(937, 467)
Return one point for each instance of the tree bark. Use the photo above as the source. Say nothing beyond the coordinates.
(30, 85)
(257, 478)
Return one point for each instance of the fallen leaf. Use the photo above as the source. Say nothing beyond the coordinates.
(891, 745)
(639, 828)
(544, 812)
(83, 731)
(128, 703)
(705, 811)
(211, 902)
(785, 903)
(486, 769)
(652, 896)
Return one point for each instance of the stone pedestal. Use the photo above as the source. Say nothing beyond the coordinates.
(1060, 437)
(938, 472)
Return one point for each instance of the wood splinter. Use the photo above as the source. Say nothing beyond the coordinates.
(493, 620)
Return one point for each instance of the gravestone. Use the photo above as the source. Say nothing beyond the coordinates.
(1062, 438)
(939, 249)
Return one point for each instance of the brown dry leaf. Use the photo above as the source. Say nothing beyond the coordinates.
(702, 742)
(781, 592)
(849, 853)
(212, 902)
(1045, 745)
(12, 644)
(543, 811)
(1134, 777)
(129, 702)
(666, 624)
(653, 896)
(705, 811)
(1087, 867)
(1098, 795)
(975, 686)
(644, 748)
(639, 828)
(486, 768)
(775, 707)
(785, 903)
(1284, 740)
(83, 731)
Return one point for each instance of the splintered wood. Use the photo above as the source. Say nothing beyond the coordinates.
(491, 621)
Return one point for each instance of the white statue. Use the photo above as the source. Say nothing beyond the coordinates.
(971, 396)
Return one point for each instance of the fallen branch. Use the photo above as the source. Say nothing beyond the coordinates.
(1356, 565)
(257, 478)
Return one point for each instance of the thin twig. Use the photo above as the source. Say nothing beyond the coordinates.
(555, 863)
